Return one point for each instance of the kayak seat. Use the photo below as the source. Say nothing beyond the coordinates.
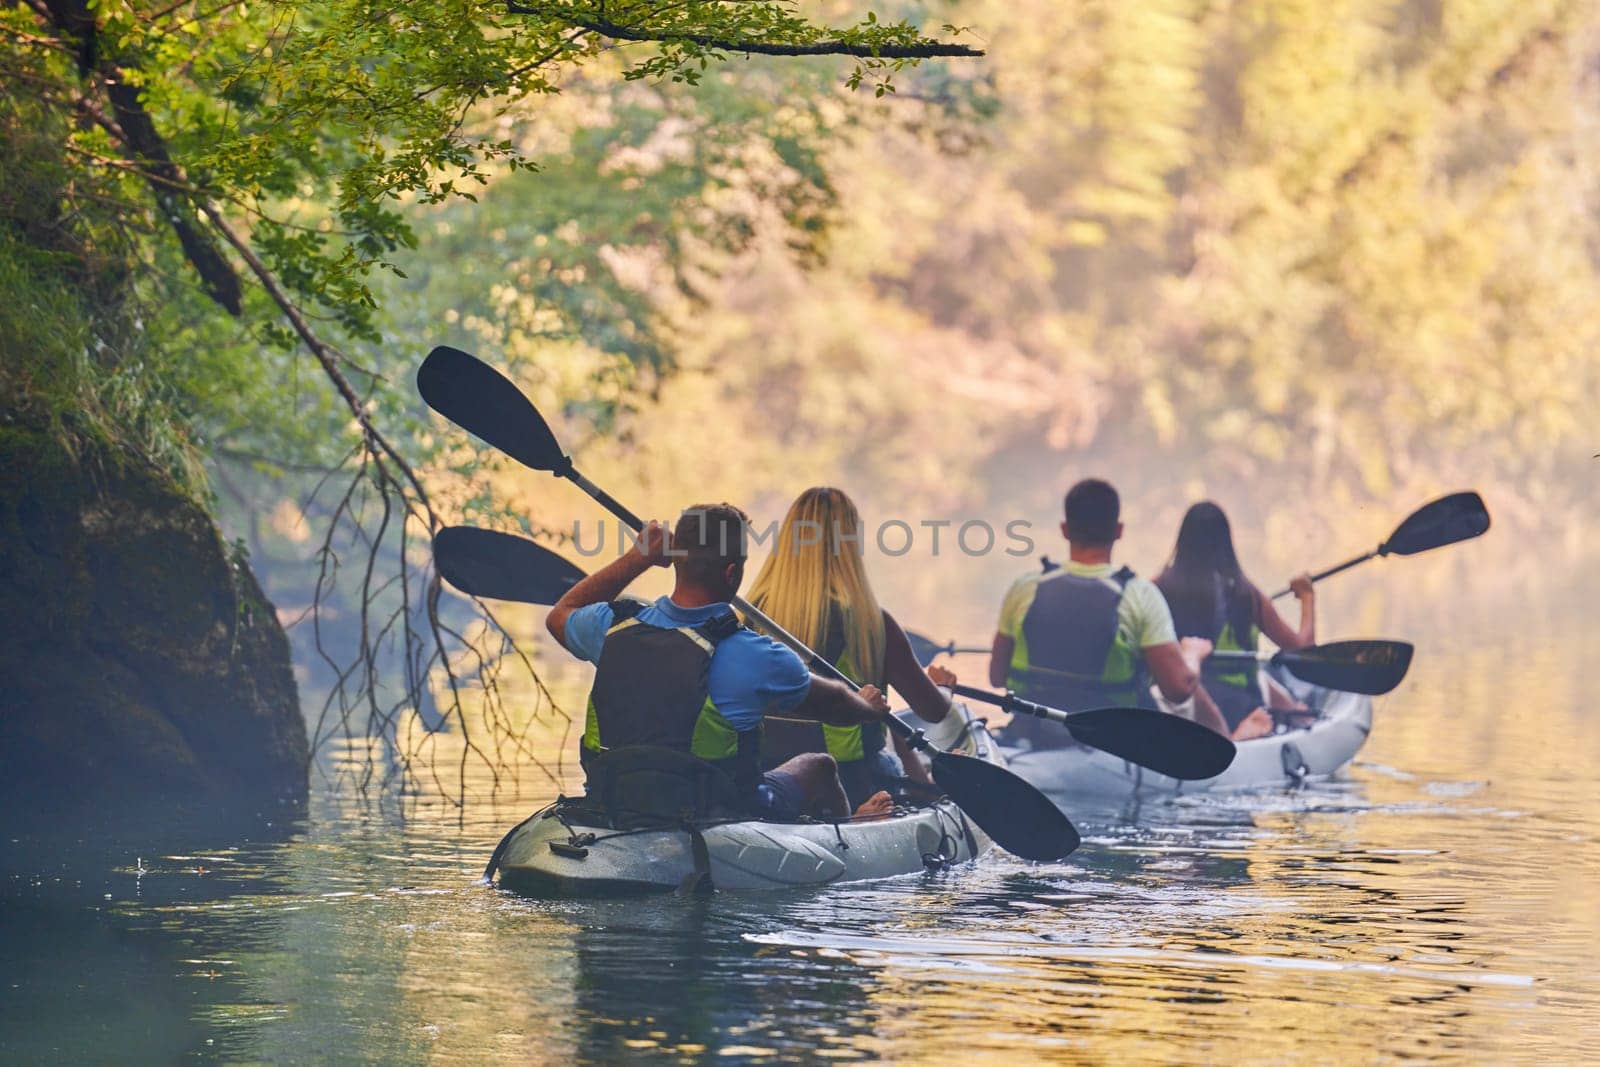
(642, 786)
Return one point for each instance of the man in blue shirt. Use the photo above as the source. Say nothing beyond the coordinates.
(682, 673)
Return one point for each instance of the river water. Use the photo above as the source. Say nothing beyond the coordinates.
(1439, 903)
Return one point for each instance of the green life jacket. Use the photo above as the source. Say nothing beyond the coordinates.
(1234, 687)
(787, 738)
(651, 688)
(1239, 675)
(1071, 652)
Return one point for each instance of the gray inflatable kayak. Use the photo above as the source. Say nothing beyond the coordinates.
(555, 854)
(1289, 758)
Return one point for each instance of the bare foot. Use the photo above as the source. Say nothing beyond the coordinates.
(878, 806)
(1256, 724)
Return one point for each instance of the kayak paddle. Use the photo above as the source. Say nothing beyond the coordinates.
(497, 565)
(507, 567)
(484, 402)
(1457, 517)
(1371, 667)
(1167, 744)
(927, 650)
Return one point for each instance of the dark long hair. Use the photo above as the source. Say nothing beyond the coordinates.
(1203, 583)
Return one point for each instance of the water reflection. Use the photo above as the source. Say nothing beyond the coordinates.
(98, 958)
(678, 976)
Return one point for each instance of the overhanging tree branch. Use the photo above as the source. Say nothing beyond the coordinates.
(325, 356)
(829, 47)
(136, 133)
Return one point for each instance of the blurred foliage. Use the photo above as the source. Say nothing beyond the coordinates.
(270, 158)
(1318, 263)
(1300, 257)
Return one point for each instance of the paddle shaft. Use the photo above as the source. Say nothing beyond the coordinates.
(1331, 571)
(1457, 517)
(953, 649)
(1009, 701)
(1241, 656)
(814, 662)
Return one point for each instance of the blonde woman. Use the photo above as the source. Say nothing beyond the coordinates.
(815, 586)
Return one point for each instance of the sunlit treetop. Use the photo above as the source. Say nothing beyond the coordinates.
(244, 109)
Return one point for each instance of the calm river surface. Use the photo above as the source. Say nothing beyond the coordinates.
(1441, 903)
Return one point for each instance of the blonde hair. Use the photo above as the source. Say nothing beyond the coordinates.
(816, 568)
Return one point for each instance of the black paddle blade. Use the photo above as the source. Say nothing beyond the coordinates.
(1017, 816)
(485, 403)
(924, 648)
(501, 566)
(1457, 517)
(1167, 744)
(1369, 667)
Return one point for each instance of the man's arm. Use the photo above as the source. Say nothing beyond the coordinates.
(1000, 660)
(1175, 665)
(1207, 714)
(838, 705)
(1013, 609)
(608, 582)
(1175, 674)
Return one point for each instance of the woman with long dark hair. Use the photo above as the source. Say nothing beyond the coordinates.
(1210, 597)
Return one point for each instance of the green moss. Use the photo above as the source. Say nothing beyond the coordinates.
(82, 371)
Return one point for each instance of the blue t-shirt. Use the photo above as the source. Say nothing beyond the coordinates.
(750, 675)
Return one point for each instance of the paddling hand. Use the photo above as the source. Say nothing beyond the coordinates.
(655, 544)
(1300, 586)
(942, 676)
(1195, 649)
(875, 698)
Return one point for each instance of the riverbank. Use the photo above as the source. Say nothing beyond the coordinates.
(142, 659)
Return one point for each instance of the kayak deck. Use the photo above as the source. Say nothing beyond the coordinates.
(558, 853)
(555, 857)
(1288, 758)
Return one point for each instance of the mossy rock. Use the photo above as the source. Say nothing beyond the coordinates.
(140, 657)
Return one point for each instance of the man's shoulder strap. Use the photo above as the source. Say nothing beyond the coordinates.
(712, 630)
(718, 627)
(1123, 577)
(625, 609)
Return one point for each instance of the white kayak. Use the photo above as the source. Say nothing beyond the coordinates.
(556, 854)
(1317, 751)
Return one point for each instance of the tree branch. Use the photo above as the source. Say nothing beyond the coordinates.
(325, 355)
(136, 133)
(606, 28)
